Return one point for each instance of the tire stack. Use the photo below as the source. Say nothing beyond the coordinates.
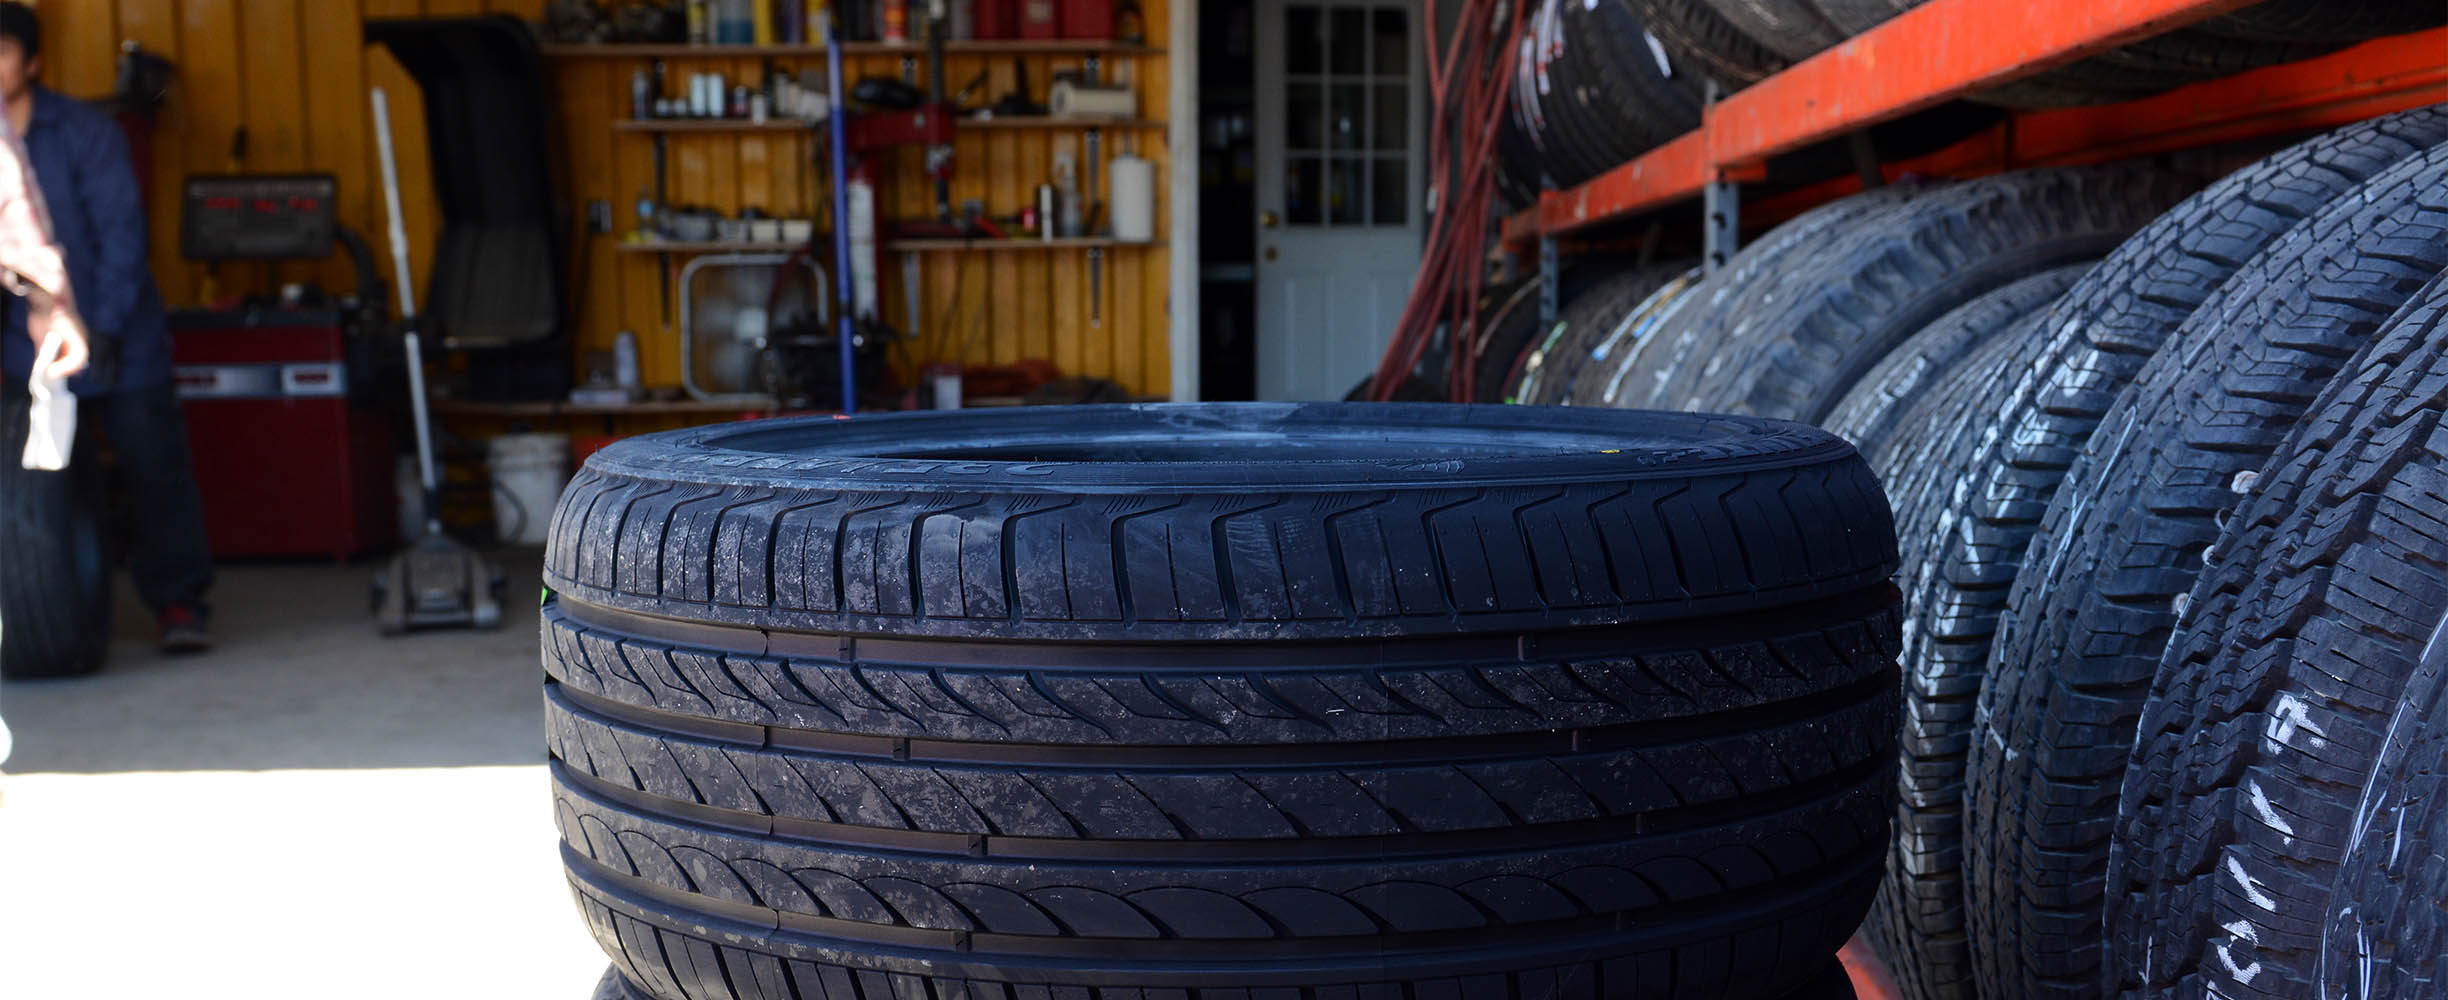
(2167, 484)
(1215, 701)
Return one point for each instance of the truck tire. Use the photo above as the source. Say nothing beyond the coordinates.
(1958, 570)
(1917, 921)
(1822, 325)
(2254, 771)
(55, 566)
(1659, 371)
(2083, 633)
(1882, 398)
(1085, 701)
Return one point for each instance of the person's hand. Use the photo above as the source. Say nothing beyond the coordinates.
(53, 321)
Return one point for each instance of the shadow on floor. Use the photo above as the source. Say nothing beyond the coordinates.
(300, 680)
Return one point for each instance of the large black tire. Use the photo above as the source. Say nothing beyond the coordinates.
(55, 567)
(1600, 93)
(1881, 400)
(1816, 329)
(1794, 29)
(2020, 437)
(2253, 773)
(1234, 697)
(1852, 17)
(1658, 372)
(1695, 35)
(2083, 632)
(1565, 353)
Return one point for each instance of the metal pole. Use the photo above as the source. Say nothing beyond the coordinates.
(407, 300)
(843, 312)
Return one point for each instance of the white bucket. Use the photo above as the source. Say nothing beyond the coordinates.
(529, 471)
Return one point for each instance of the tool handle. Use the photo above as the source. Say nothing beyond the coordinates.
(408, 320)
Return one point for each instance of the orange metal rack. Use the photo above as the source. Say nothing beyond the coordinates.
(1948, 48)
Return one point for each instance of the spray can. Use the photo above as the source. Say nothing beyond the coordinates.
(700, 22)
(896, 20)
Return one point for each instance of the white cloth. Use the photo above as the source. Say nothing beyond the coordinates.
(51, 434)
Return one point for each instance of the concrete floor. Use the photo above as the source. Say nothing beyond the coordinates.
(308, 812)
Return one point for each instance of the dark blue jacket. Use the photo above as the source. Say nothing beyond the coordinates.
(97, 210)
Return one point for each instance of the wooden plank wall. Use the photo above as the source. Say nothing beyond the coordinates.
(293, 75)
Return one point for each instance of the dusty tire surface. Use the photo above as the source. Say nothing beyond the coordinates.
(1882, 399)
(1794, 29)
(55, 568)
(2287, 687)
(1568, 350)
(1694, 34)
(2086, 623)
(1612, 353)
(1813, 331)
(1223, 698)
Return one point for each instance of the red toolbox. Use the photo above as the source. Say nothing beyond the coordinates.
(289, 464)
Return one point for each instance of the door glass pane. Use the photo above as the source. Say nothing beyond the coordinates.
(1304, 116)
(1390, 122)
(1304, 187)
(1389, 192)
(1346, 198)
(1304, 41)
(1349, 43)
(1349, 127)
(1392, 42)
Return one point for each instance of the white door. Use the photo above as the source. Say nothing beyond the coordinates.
(1341, 137)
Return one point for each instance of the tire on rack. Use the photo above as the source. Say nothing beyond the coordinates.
(1818, 328)
(1595, 386)
(55, 566)
(1917, 921)
(1563, 354)
(1117, 698)
(2082, 635)
(1628, 93)
(1695, 35)
(1962, 559)
(1793, 29)
(1882, 398)
(1508, 324)
(1659, 366)
(2271, 714)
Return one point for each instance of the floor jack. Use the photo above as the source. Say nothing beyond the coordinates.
(437, 583)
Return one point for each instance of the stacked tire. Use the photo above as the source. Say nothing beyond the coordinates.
(2172, 539)
(55, 567)
(1118, 702)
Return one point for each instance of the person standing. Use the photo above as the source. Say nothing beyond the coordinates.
(82, 169)
(32, 267)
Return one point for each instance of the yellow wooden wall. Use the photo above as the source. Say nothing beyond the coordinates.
(294, 75)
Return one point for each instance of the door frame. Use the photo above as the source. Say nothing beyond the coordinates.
(1182, 138)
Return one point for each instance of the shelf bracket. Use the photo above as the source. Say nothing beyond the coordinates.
(1720, 207)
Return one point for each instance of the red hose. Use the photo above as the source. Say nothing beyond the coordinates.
(1468, 84)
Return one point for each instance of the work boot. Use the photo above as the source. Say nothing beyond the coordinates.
(182, 631)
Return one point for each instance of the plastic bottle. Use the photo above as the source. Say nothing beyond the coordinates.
(735, 23)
